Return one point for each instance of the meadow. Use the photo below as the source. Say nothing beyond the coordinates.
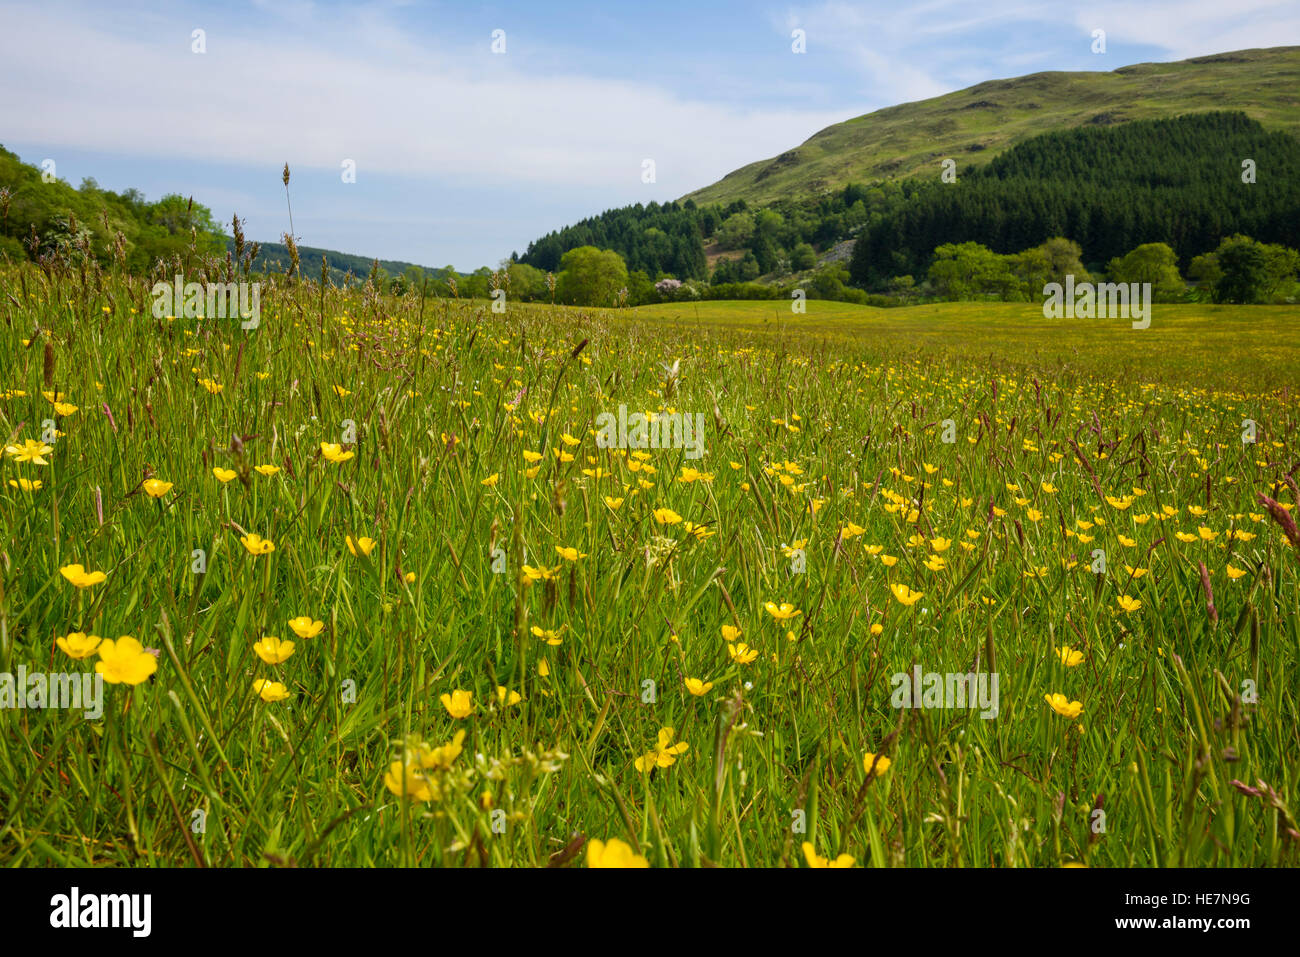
(365, 590)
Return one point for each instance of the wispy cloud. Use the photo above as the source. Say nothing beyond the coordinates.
(899, 52)
(463, 155)
(392, 106)
(1188, 28)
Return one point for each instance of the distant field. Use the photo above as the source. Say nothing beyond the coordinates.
(1251, 348)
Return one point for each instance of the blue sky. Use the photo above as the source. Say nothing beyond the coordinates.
(462, 154)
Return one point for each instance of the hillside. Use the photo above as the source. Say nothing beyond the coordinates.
(345, 268)
(126, 224)
(976, 124)
(104, 224)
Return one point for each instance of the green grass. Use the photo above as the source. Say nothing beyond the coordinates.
(822, 429)
(975, 124)
(1254, 348)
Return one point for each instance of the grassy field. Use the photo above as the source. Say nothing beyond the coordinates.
(515, 647)
(1252, 348)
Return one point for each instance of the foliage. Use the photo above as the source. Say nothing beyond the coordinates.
(97, 223)
(1107, 188)
(590, 277)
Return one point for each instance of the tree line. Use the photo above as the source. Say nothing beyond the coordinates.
(1239, 270)
(43, 215)
(1186, 182)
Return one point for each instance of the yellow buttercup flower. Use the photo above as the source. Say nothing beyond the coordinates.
(270, 691)
(666, 516)
(224, 475)
(156, 489)
(741, 653)
(334, 452)
(30, 451)
(1129, 605)
(905, 595)
(1063, 705)
(459, 703)
(613, 854)
(26, 485)
(1069, 656)
(442, 758)
(406, 780)
(697, 687)
(507, 697)
(272, 650)
(267, 470)
(569, 554)
(125, 661)
(548, 635)
(816, 860)
(80, 577)
(664, 754)
(882, 763)
(782, 612)
(361, 546)
(304, 627)
(78, 644)
(257, 545)
(491, 480)
(540, 573)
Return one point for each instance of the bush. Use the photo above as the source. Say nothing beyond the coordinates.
(802, 257)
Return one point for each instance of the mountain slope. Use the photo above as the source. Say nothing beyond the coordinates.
(345, 268)
(973, 125)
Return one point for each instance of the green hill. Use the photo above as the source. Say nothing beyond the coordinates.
(974, 125)
(344, 268)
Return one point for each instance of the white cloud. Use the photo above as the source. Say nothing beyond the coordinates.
(389, 104)
(1189, 28)
(906, 52)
